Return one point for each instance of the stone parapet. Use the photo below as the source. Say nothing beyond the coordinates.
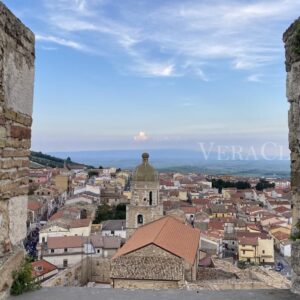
(291, 39)
(16, 96)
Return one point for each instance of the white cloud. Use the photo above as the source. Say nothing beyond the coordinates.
(141, 136)
(157, 38)
(59, 41)
(255, 78)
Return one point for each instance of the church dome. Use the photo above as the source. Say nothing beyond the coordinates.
(145, 172)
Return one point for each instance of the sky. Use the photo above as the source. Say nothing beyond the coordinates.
(158, 74)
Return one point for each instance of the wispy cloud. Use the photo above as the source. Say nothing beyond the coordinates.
(60, 41)
(255, 78)
(175, 38)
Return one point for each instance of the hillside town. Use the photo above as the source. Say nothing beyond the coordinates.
(144, 229)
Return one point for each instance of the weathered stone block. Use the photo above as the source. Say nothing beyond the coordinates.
(292, 88)
(20, 132)
(295, 259)
(12, 163)
(11, 264)
(295, 287)
(18, 78)
(17, 213)
(17, 117)
(2, 132)
(15, 153)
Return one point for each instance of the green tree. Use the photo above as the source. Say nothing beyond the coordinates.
(120, 212)
(104, 212)
(22, 279)
(264, 184)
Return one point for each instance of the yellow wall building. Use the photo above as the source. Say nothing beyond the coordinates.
(256, 250)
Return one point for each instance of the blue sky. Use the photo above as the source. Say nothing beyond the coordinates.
(157, 74)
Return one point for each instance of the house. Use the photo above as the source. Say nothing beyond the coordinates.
(160, 254)
(211, 243)
(77, 227)
(66, 251)
(286, 248)
(105, 246)
(256, 249)
(221, 211)
(43, 270)
(114, 228)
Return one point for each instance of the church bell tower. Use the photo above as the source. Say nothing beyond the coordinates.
(145, 205)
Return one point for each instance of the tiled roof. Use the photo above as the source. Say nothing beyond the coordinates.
(248, 241)
(60, 242)
(281, 236)
(106, 242)
(167, 233)
(34, 205)
(282, 209)
(189, 209)
(114, 225)
(80, 223)
(41, 267)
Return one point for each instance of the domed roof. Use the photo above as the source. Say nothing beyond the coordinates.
(145, 172)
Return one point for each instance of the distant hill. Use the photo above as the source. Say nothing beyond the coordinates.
(39, 158)
(175, 160)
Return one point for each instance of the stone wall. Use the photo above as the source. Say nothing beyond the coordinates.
(77, 275)
(149, 213)
(100, 270)
(214, 274)
(145, 284)
(291, 39)
(147, 267)
(16, 96)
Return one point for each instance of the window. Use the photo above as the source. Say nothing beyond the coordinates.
(112, 232)
(66, 250)
(244, 251)
(263, 251)
(38, 268)
(150, 198)
(52, 250)
(98, 250)
(65, 263)
(140, 219)
(43, 239)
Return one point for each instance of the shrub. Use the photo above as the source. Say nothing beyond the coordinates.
(23, 280)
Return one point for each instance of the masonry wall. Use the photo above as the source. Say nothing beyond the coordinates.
(291, 39)
(77, 275)
(16, 96)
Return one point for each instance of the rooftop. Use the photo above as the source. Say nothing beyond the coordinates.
(167, 233)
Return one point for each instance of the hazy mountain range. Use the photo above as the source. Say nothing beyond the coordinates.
(180, 160)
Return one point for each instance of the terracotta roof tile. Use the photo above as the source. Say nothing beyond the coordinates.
(59, 242)
(41, 267)
(80, 223)
(167, 233)
(34, 205)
